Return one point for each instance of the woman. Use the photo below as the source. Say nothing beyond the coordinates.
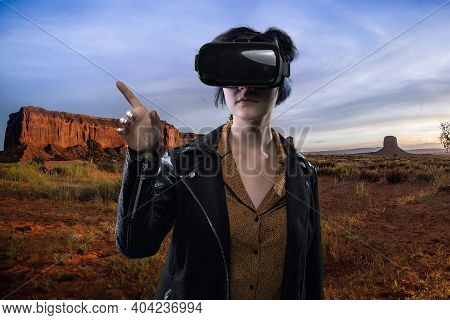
(243, 203)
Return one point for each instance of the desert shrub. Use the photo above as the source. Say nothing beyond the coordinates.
(14, 245)
(404, 163)
(37, 161)
(345, 170)
(370, 175)
(429, 173)
(325, 163)
(75, 170)
(336, 243)
(105, 190)
(94, 151)
(325, 171)
(391, 165)
(47, 190)
(396, 175)
(361, 190)
(20, 172)
(382, 165)
(388, 164)
(110, 166)
(364, 163)
(425, 176)
(61, 170)
(108, 190)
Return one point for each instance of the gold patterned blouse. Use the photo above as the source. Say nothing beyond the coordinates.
(257, 236)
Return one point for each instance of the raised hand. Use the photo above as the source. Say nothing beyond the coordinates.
(140, 129)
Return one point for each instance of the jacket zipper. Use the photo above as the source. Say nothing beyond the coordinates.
(210, 224)
(141, 176)
(304, 276)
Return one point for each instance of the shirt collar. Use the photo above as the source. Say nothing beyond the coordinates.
(224, 148)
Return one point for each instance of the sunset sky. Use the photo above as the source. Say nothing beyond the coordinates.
(402, 89)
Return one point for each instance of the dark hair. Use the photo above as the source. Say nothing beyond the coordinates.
(288, 52)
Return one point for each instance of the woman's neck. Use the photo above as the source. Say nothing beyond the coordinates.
(252, 136)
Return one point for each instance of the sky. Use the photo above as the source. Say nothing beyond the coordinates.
(67, 56)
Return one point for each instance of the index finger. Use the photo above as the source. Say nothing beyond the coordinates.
(131, 98)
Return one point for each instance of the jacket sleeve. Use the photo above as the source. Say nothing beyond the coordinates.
(314, 259)
(146, 204)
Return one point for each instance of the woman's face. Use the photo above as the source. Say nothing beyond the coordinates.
(260, 101)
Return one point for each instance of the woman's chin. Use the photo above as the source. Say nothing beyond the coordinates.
(249, 115)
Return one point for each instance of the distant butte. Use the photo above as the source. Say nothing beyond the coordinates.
(391, 148)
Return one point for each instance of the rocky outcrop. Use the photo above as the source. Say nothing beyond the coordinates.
(391, 148)
(171, 135)
(185, 137)
(39, 127)
(54, 135)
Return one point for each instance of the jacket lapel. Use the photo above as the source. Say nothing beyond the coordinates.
(297, 203)
(201, 157)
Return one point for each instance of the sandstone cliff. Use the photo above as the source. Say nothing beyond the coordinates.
(55, 135)
(39, 127)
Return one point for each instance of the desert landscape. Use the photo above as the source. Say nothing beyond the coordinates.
(384, 216)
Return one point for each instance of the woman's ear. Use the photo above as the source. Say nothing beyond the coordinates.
(277, 93)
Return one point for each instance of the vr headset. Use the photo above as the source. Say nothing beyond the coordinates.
(252, 59)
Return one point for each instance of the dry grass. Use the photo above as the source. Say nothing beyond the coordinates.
(64, 181)
(371, 207)
(14, 244)
(379, 168)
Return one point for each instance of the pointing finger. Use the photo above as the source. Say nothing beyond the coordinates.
(131, 98)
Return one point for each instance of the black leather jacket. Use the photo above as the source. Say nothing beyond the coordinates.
(184, 189)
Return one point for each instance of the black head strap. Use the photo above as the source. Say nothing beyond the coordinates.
(255, 37)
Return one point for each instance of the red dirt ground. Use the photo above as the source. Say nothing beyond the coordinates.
(389, 242)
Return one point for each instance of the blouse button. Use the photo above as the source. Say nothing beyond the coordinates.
(256, 219)
(251, 287)
(255, 251)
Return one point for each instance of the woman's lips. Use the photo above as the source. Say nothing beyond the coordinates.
(246, 100)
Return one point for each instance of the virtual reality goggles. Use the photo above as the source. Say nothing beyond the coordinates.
(252, 59)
